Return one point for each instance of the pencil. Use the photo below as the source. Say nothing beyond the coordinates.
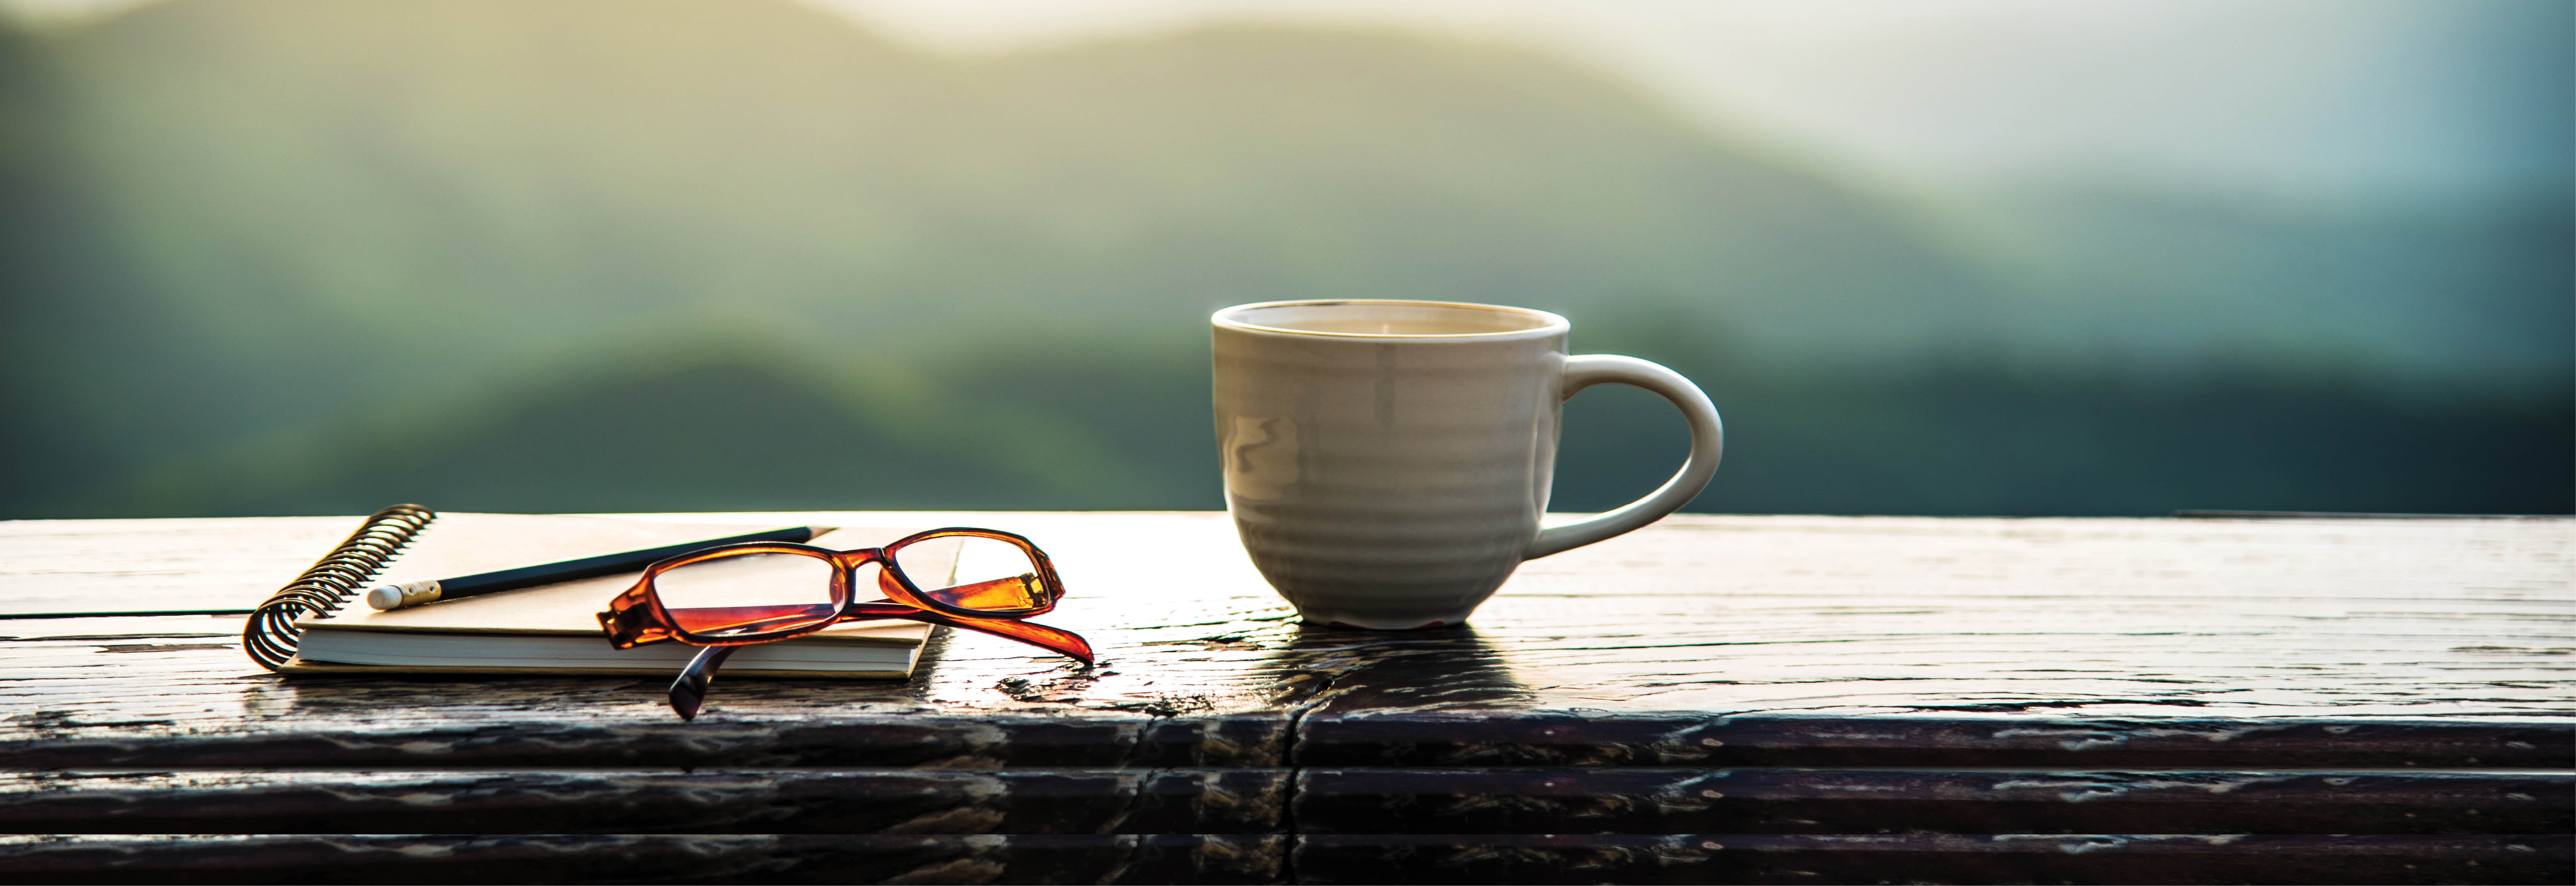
(410, 594)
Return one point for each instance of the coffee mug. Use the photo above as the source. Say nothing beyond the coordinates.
(1387, 462)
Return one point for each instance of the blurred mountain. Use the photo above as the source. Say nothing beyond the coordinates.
(2477, 295)
(294, 255)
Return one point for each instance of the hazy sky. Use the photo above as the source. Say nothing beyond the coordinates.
(2295, 98)
(2299, 99)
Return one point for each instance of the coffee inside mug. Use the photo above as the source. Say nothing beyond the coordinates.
(1392, 319)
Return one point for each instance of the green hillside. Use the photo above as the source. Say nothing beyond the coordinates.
(2464, 293)
(278, 256)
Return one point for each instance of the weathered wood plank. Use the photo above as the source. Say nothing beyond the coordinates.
(1806, 801)
(1515, 738)
(1327, 801)
(1429, 858)
(2230, 648)
(1929, 858)
(2110, 630)
(871, 801)
(1247, 741)
(998, 858)
(54, 566)
(466, 723)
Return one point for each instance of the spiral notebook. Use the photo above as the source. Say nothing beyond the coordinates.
(315, 625)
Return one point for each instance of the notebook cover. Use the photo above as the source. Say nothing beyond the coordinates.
(319, 668)
(300, 666)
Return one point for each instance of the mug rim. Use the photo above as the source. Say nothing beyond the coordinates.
(1549, 323)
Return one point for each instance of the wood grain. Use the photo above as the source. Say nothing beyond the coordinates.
(1869, 801)
(1532, 738)
(862, 801)
(558, 858)
(1930, 858)
(1328, 858)
(1493, 801)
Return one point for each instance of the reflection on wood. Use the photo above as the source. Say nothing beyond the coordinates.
(557, 858)
(1749, 801)
(1510, 738)
(441, 738)
(1929, 858)
(781, 801)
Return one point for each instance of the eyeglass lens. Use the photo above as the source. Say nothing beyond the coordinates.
(969, 572)
(752, 593)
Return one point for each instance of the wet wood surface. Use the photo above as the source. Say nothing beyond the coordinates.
(560, 858)
(1928, 858)
(1872, 801)
(1731, 680)
(1270, 858)
(1495, 801)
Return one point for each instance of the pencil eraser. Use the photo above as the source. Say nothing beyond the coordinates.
(385, 599)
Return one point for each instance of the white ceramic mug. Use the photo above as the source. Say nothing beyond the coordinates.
(1387, 462)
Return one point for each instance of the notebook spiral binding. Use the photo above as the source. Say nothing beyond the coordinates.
(271, 635)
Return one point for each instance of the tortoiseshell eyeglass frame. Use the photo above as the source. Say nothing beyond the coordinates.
(997, 607)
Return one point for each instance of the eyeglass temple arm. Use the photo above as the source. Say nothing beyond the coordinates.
(690, 690)
(1057, 640)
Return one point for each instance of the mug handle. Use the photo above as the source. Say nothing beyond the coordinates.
(1708, 442)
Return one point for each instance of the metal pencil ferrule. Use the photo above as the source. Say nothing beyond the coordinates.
(392, 597)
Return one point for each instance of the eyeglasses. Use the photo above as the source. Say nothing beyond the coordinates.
(725, 598)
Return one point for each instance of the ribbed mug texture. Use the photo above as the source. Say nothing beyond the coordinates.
(1388, 482)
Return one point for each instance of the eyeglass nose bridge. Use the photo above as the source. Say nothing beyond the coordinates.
(850, 561)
